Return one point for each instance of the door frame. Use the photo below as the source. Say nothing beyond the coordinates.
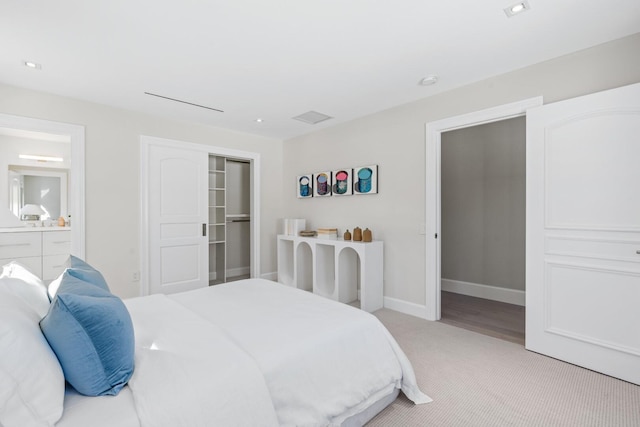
(254, 160)
(433, 144)
(76, 202)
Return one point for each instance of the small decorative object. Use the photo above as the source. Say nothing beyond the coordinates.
(304, 186)
(308, 233)
(322, 184)
(291, 226)
(342, 182)
(366, 180)
(61, 221)
(366, 235)
(328, 233)
(357, 234)
(347, 235)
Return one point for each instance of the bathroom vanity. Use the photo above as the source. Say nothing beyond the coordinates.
(42, 250)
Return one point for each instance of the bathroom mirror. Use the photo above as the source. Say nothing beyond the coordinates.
(35, 169)
(42, 187)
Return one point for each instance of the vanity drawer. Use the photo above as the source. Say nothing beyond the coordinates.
(56, 242)
(53, 265)
(20, 245)
(33, 264)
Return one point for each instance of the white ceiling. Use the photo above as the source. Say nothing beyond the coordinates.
(278, 59)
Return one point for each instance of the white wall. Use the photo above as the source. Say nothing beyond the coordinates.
(112, 145)
(395, 140)
(483, 204)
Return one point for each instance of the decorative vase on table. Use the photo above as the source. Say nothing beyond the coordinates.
(357, 234)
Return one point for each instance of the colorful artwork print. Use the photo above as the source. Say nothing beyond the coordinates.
(342, 182)
(304, 186)
(322, 184)
(365, 180)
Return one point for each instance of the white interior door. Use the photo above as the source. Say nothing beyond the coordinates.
(583, 231)
(178, 214)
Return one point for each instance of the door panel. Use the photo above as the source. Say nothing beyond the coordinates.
(581, 184)
(581, 318)
(185, 256)
(178, 251)
(583, 231)
(180, 183)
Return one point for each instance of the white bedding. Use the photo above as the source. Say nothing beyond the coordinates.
(322, 360)
(99, 411)
(250, 353)
(188, 373)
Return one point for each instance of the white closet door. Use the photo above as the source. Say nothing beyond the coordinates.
(583, 231)
(178, 214)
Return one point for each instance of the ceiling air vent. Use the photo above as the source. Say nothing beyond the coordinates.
(183, 102)
(312, 117)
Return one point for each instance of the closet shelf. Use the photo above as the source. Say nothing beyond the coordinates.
(216, 171)
(215, 242)
(216, 223)
(216, 189)
(217, 207)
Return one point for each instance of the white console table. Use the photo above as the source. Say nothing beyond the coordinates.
(330, 268)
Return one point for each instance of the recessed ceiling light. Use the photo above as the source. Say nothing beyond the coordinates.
(429, 80)
(258, 120)
(517, 8)
(31, 64)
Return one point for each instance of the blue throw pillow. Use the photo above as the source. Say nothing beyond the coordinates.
(83, 271)
(91, 333)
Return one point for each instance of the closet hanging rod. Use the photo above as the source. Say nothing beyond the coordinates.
(239, 220)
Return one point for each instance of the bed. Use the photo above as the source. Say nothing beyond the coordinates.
(246, 353)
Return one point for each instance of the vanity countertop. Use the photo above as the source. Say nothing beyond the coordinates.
(31, 229)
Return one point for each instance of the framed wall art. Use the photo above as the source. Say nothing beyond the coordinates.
(304, 186)
(365, 180)
(322, 184)
(342, 182)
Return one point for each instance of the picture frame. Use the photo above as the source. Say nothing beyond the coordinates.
(322, 184)
(365, 180)
(342, 180)
(304, 186)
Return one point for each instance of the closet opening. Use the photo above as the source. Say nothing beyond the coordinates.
(482, 223)
(229, 219)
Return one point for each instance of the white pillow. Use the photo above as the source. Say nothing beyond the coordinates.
(32, 391)
(17, 280)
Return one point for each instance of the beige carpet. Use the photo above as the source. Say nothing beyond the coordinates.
(477, 380)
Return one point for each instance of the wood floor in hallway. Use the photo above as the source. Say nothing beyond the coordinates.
(493, 318)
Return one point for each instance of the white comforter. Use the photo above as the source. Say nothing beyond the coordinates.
(188, 373)
(322, 361)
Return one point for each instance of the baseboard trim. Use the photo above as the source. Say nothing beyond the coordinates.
(478, 290)
(406, 307)
(270, 276)
(231, 272)
(240, 271)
